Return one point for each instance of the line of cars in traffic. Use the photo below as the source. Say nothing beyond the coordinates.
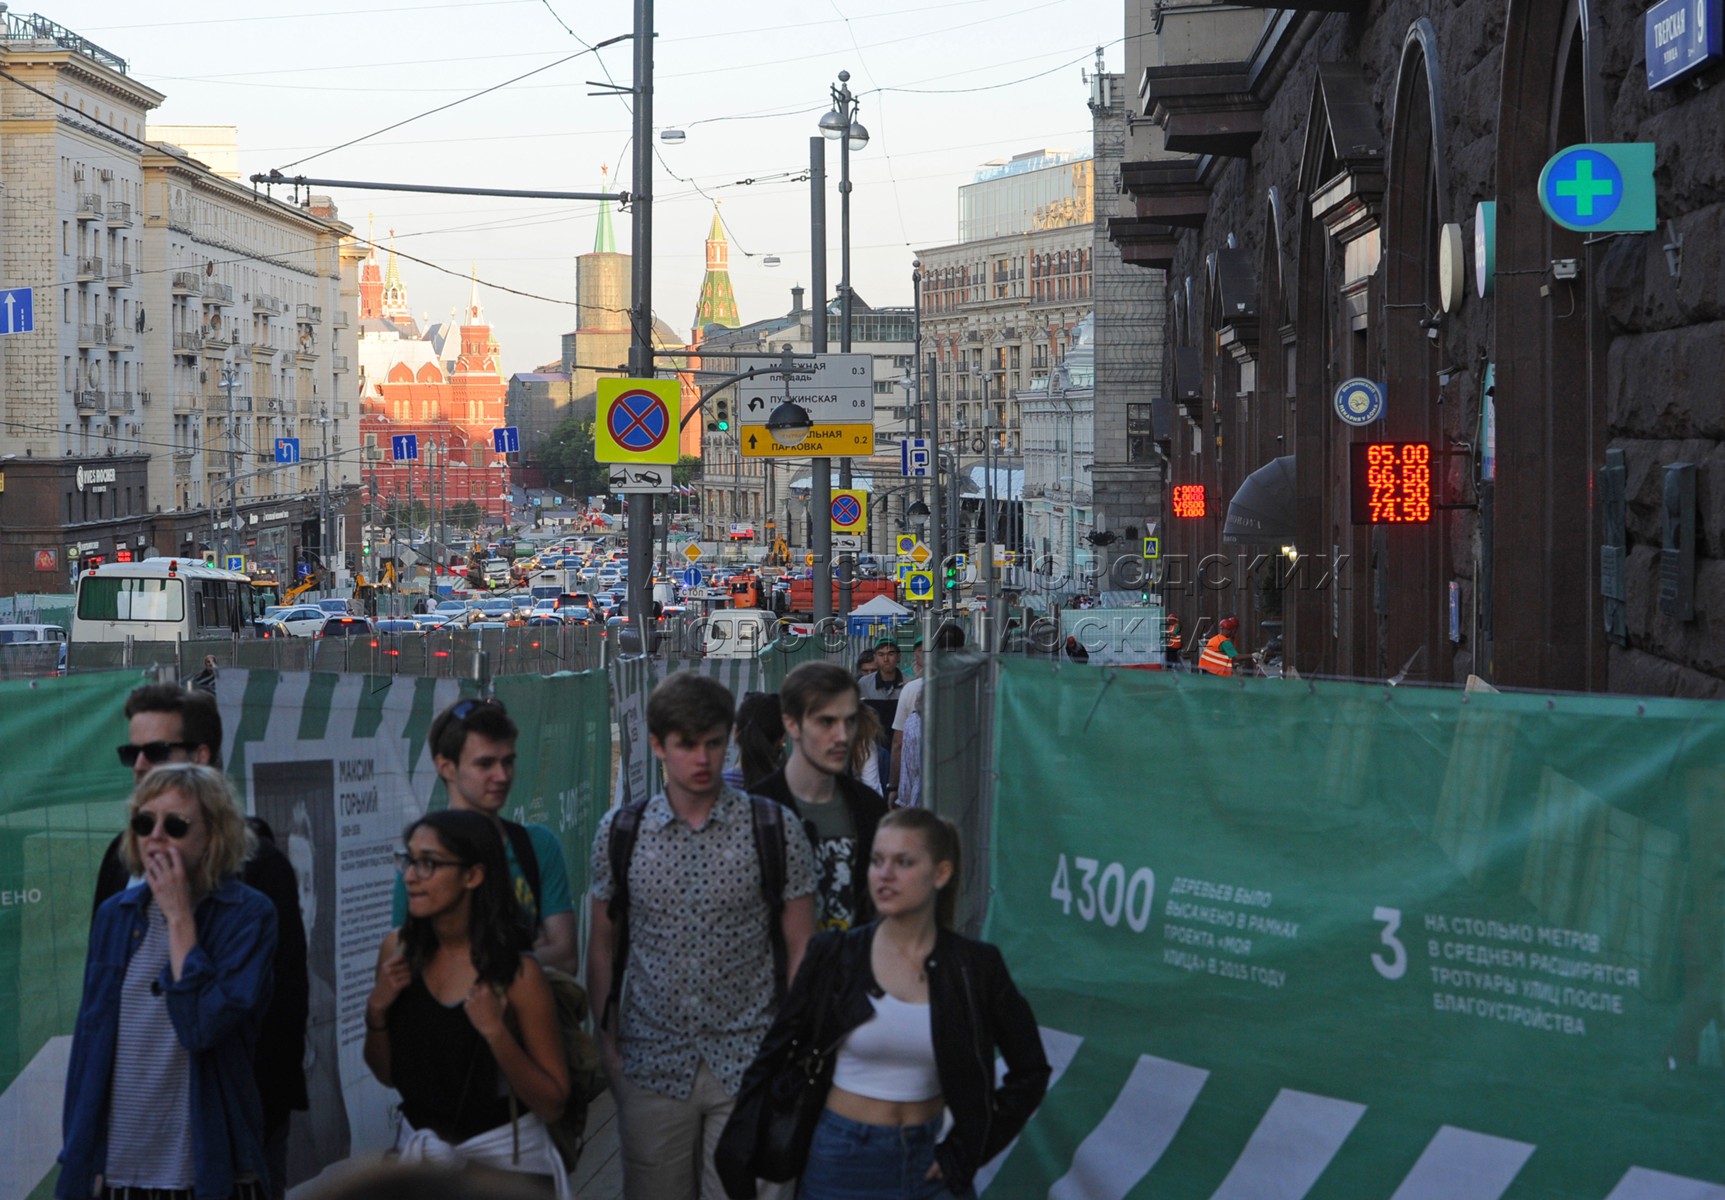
(343, 618)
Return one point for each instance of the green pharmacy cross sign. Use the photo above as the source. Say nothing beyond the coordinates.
(1601, 188)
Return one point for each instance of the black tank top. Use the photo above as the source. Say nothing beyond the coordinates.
(447, 1077)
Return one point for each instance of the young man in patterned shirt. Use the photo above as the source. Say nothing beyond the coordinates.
(700, 991)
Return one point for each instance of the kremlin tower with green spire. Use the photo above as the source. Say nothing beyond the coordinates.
(718, 303)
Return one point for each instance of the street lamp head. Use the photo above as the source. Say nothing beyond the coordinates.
(833, 124)
(789, 424)
(672, 137)
(858, 135)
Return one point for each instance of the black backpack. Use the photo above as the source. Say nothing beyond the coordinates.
(768, 820)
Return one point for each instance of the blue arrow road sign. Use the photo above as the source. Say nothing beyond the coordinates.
(506, 439)
(235, 562)
(914, 457)
(17, 311)
(287, 450)
(691, 577)
(405, 447)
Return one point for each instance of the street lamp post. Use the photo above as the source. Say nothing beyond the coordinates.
(840, 124)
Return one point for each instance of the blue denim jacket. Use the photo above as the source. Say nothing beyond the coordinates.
(215, 1007)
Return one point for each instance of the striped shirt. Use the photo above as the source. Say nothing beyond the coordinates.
(149, 1108)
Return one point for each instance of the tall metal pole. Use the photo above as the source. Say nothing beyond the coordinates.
(845, 108)
(323, 521)
(821, 493)
(990, 580)
(640, 524)
(231, 380)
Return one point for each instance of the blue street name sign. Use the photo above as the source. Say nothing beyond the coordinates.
(914, 458)
(17, 310)
(506, 439)
(1683, 37)
(1602, 187)
(287, 450)
(404, 447)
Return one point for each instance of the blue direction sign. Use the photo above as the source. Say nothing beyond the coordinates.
(914, 457)
(404, 447)
(919, 585)
(235, 562)
(1683, 37)
(17, 310)
(691, 577)
(506, 439)
(287, 450)
(1603, 187)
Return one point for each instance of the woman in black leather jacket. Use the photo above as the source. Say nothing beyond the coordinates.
(915, 1013)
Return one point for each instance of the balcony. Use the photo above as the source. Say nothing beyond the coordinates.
(242, 404)
(217, 347)
(1204, 107)
(186, 402)
(338, 362)
(188, 283)
(308, 314)
(120, 402)
(88, 399)
(116, 338)
(89, 207)
(144, 398)
(340, 321)
(188, 344)
(265, 350)
(307, 349)
(339, 408)
(218, 295)
(1167, 191)
(119, 215)
(120, 275)
(89, 267)
(266, 305)
(92, 336)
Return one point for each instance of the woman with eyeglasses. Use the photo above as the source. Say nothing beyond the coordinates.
(460, 1020)
(160, 1092)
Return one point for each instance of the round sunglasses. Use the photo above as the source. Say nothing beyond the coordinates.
(173, 824)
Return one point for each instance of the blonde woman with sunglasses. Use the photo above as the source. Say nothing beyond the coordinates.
(160, 1092)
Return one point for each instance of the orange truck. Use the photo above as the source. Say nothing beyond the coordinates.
(802, 598)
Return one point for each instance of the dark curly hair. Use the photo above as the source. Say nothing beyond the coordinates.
(499, 933)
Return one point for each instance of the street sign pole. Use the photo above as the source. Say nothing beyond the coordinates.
(821, 501)
(640, 520)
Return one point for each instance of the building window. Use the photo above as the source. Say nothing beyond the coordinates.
(1139, 433)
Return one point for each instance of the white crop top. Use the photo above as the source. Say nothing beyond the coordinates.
(892, 1056)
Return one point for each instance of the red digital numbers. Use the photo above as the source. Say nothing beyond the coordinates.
(1189, 500)
(1392, 483)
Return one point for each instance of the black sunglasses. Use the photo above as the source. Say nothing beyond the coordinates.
(174, 825)
(155, 753)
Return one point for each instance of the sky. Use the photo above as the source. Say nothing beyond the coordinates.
(945, 86)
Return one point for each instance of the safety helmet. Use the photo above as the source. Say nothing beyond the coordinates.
(1229, 624)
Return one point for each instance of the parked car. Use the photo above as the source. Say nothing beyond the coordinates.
(338, 606)
(397, 626)
(301, 620)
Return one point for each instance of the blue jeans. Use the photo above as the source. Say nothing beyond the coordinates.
(852, 1161)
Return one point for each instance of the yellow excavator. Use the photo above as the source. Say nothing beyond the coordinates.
(309, 583)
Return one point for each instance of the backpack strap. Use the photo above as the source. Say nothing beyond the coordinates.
(769, 825)
(619, 849)
(528, 860)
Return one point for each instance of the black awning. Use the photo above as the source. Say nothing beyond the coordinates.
(1263, 509)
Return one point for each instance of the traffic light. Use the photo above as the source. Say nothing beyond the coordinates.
(951, 575)
(722, 415)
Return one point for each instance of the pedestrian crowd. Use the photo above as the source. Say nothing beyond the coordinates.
(781, 1005)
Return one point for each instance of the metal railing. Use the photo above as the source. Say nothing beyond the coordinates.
(119, 213)
(89, 207)
(308, 314)
(92, 335)
(263, 303)
(218, 294)
(338, 362)
(188, 343)
(89, 267)
(87, 399)
(188, 283)
(120, 274)
(119, 402)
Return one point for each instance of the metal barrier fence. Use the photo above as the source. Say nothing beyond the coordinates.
(958, 733)
(30, 660)
(457, 654)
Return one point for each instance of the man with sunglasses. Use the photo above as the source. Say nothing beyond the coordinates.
(169, 724)
(472, 744)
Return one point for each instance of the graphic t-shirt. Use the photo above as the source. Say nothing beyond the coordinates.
(835, 851)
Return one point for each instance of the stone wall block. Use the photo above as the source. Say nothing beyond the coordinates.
(1645, 486)
(1690, 171)
(1635, 672)
(1668, 383)
(1701, 642)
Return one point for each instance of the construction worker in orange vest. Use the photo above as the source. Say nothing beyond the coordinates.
(1219, 654)
(1171, 643)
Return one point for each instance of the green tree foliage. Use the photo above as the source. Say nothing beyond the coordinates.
(686, 470)
(567, 455)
